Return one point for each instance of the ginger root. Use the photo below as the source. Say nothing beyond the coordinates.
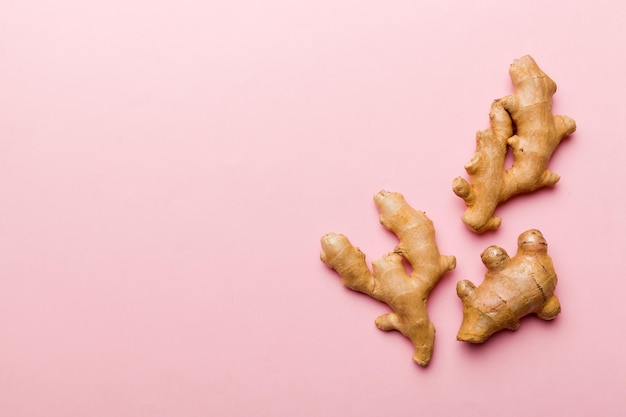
(528, 114)
(389, 282)
(513, 288)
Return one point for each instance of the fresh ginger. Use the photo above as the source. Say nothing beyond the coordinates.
(528, 114)
(513, 287)
(389, 282)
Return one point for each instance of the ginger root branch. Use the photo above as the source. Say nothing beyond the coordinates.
(513, 288)
(389, 282)
(528, 113)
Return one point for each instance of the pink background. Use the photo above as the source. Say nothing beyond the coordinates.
(168, 167)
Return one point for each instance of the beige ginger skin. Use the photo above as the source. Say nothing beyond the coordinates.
(389, 282)
(513, 288)
(525, 122)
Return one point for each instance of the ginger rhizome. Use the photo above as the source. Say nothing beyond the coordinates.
(513, 288)
(523, 121)
(389, 281)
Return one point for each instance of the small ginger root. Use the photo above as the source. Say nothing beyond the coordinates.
(528, 114)
(390, 283)
(513, 287)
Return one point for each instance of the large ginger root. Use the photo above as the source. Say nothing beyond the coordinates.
(528, 112)
(513, 288)
(406, 294)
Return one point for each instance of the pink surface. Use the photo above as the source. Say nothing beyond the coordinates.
(168, 167)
